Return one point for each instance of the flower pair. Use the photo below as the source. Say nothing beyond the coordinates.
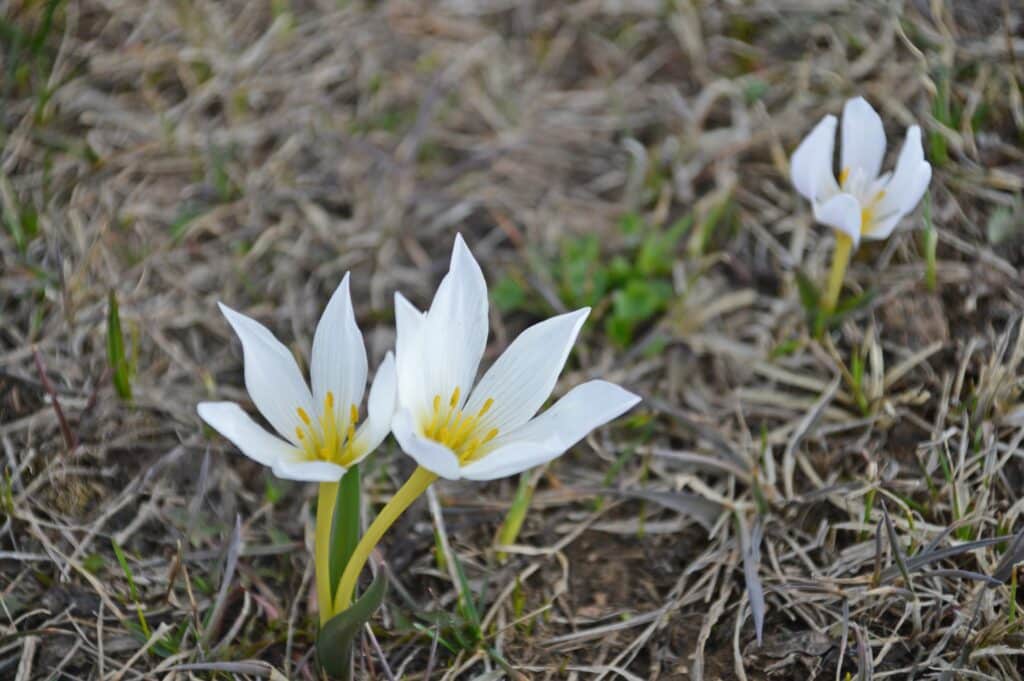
(425, 394)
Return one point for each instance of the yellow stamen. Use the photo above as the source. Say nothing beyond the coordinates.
(303, 415)
(329, 400)
(867, 213)
(843, 174)
(299, 433)
(457, 430)
(488, 403)
(350, 436)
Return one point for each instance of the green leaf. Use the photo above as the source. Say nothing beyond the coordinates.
(344, 525)
(115, 351)
(809, 294)
(516, 515)
(334, 644)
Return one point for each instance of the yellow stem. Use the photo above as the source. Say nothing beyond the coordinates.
(416, 485)
(325, 501)
(840, 260)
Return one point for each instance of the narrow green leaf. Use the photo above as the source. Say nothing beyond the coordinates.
(344, 525)
(516, 515)
(468, 606)
(337, 637)
(131, 586)
(119, 365)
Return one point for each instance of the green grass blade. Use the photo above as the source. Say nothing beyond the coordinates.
(119, 365)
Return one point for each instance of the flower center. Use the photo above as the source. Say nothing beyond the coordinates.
(457, 430)
(858, 186)
(324, 440)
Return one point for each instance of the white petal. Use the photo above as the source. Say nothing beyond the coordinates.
(455, 330)
(409, 324)
(883, 228)
(511, 459)
(272, 377)
(863, 138)
(431, 455)
(338, 362)
(842, 212)
(228, 419)
(380, 408)
(295, 468)
(810, 167)
(546, 437)
(521, 380)
(910, 179)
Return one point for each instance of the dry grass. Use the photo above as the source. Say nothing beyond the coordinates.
(180, 153)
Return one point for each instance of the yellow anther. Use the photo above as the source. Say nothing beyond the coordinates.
(353, 415)
(437, 403)
(491, 434)
(299, 433)
(455, 397)
(328, 401)
(488, 403)
(303, 415)
(843, 174)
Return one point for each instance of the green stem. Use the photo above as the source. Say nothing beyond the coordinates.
(840, 260)
(416, 485)
(325, 500)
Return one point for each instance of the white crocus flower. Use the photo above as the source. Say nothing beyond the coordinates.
(862, 203)
(457, 431)
(318, 439)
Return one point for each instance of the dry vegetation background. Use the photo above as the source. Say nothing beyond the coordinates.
(629, 155)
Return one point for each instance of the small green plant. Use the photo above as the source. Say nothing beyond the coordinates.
(120, 367)
(629, 289)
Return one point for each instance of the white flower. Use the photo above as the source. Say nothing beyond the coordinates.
(318, 439)
(862, 203)
(457, 431)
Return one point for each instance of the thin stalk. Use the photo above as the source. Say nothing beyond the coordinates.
(516, 516)
(416, 485)
(840, 261)
(326, 497)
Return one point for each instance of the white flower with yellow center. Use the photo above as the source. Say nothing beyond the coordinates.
(863, 203)
(319, 438)
(456, 430)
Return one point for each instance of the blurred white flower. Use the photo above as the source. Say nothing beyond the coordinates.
(862, 203)
(318, 439)
(457, 431)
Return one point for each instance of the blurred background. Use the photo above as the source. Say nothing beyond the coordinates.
(159, 156)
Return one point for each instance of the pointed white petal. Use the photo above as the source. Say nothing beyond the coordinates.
(272, 377)
(863, 139)
(431, 455)
(547, 436)
(810, 167)
(338, 361)
(521, 380)
(409, 323)
(380, 409)
(295, 468)
(842, 212)
(455, 330)
(910, 179)
(228, 419)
